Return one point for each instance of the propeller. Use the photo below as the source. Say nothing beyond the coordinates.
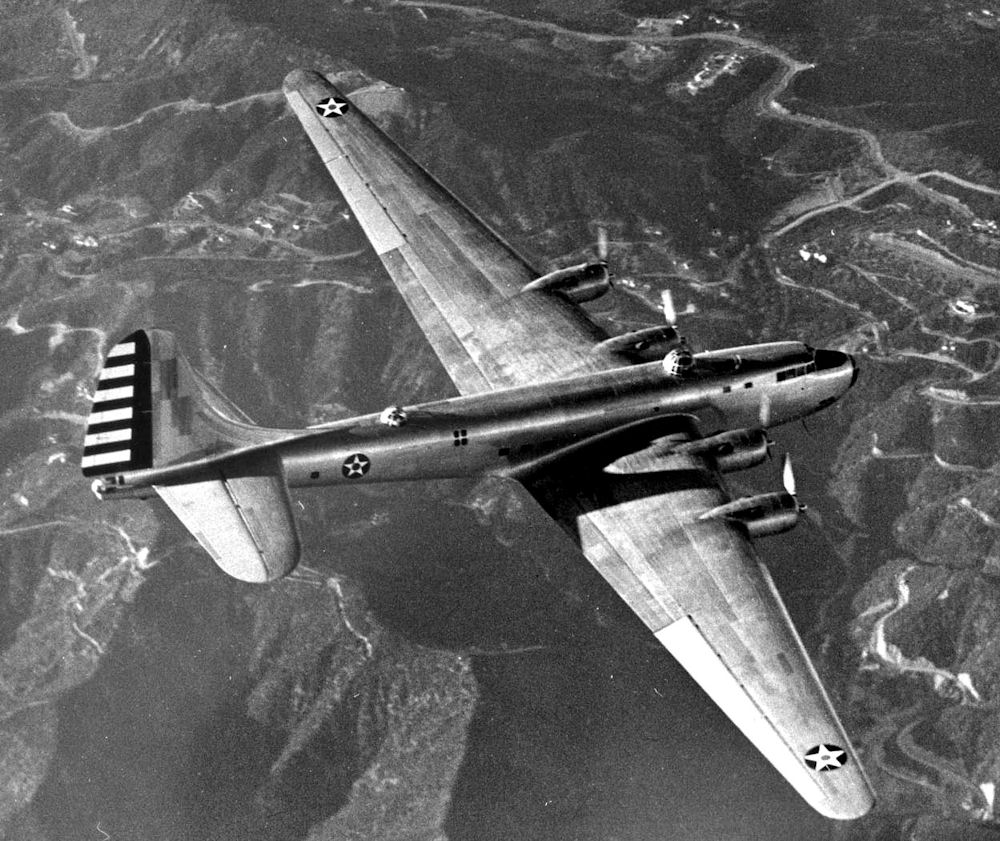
(680, 358)
(764, 418)
(788, 479)
(669, 312)
(621, 272)
(599, 262)
(788, 475)
(764, 413)
(602, 244)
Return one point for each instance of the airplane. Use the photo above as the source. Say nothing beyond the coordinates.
(623, 440)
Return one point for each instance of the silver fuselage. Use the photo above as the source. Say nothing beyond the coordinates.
(496, 432)
(490, 433)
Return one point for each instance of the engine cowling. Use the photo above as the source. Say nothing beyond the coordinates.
(580, 283)
(761, 515)
(649, 344)
(736, 449)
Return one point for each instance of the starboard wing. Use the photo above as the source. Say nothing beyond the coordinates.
(700, 587)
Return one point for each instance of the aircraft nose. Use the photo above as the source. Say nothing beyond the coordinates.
(830, 360)
(827, 360)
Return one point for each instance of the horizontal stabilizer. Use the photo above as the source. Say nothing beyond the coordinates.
(241, 514)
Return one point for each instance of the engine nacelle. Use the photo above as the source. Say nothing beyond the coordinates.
(649, 344)
(760, 515)
(581, 283)
(736, 449)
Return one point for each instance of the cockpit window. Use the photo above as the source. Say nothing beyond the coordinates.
(829, 359)
(797, 371)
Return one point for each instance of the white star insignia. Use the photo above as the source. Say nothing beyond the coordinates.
(826, 758)
(356, 465)
(331, 107)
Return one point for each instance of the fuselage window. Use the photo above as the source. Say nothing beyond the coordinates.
(726, 389)
(748, 385)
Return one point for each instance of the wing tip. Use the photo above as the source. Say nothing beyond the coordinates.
(853, 813)
(255, 568)
(841, 798)
(302, 78)
(299, 77)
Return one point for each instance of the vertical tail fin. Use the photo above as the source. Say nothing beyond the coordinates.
(120, 427)
(153, 411)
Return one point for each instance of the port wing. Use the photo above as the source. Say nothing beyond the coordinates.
(698, 585)
(462, 282)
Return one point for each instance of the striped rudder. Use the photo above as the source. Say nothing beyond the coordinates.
(120, 427)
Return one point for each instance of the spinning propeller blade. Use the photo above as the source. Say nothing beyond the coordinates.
(764, 415)
(602, 243)
(788, 476)
(669, 313)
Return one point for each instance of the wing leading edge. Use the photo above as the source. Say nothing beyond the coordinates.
(698, 585)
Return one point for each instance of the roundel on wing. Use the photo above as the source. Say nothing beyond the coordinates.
(332, 106)
(355, 466)
(826, 758)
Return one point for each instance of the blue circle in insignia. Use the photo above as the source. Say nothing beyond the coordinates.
(355, 466)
